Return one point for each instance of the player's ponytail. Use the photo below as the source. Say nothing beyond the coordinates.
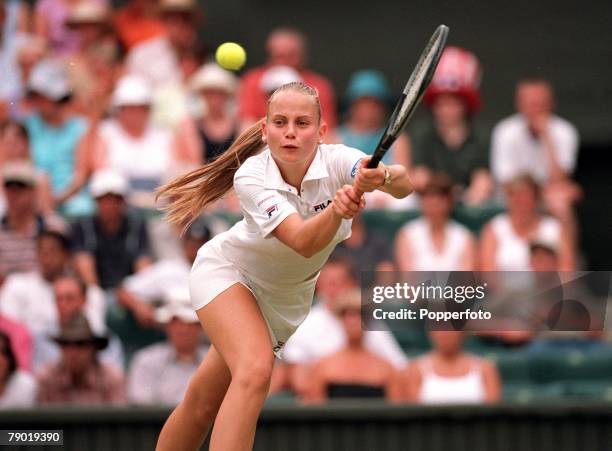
(188, 195)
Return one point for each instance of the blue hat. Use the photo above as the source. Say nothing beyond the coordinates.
(368, 83)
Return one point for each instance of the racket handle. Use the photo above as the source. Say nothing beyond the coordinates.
(381, 149)
(373, 163)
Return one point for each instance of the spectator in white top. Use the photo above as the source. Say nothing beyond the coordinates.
(17, 387)
(160, 373)
(435, 242)
(537, 142)
(28, 297)
(322, 332)
(448, 375)
(140, 291)
(132, 145)
(504, 244)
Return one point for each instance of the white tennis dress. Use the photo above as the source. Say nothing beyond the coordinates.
(281, 280)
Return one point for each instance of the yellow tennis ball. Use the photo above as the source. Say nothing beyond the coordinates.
(230, 56)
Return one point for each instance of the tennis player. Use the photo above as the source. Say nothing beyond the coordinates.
(253, 285)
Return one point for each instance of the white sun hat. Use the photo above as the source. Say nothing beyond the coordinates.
(132, 90)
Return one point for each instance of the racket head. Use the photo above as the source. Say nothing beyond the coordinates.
(413, 92)
(419, 80)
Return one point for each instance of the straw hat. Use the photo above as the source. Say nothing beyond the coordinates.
(78, 330)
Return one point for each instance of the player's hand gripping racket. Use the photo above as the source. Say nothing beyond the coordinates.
(413, 93)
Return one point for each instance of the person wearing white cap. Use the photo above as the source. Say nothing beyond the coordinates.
(218, 126)
(22, 222)
(277, 76)
(55, 134)
(169, 59)
(113, 243)
(160, 373)
(110, 246)
(132, 145)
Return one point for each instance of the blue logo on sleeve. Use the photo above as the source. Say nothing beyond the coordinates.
(355, 168)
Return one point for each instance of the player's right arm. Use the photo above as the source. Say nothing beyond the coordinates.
(270, 210)
(309, 236)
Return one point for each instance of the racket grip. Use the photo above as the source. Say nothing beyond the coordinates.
(373, 163)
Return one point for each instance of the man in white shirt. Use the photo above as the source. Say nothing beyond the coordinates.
(537, 142)
(534, 141)
(160, 373)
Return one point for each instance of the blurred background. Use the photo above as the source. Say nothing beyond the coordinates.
(101, 103)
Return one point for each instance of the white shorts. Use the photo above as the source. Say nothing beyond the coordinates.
(283, 311)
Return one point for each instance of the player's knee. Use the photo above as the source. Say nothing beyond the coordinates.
(254, 376)
(203, 414)
(201, 407)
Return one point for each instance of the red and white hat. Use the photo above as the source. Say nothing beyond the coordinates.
(458, 72)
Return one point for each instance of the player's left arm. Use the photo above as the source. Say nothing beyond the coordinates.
(391, 179)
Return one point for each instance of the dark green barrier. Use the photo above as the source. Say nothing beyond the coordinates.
(389, 222)
(350, 426)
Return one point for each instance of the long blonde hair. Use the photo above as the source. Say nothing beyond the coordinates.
(188, 195)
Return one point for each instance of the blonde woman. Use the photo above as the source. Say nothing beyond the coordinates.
(253, 285)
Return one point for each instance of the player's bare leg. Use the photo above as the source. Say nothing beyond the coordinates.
(233, 379)
(235, 325)
(191, 420)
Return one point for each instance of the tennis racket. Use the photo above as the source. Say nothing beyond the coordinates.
(413, 93)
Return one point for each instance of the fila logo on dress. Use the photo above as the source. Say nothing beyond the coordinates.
(271, 210)
(322, 205)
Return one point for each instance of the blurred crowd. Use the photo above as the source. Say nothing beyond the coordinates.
(100, 106)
